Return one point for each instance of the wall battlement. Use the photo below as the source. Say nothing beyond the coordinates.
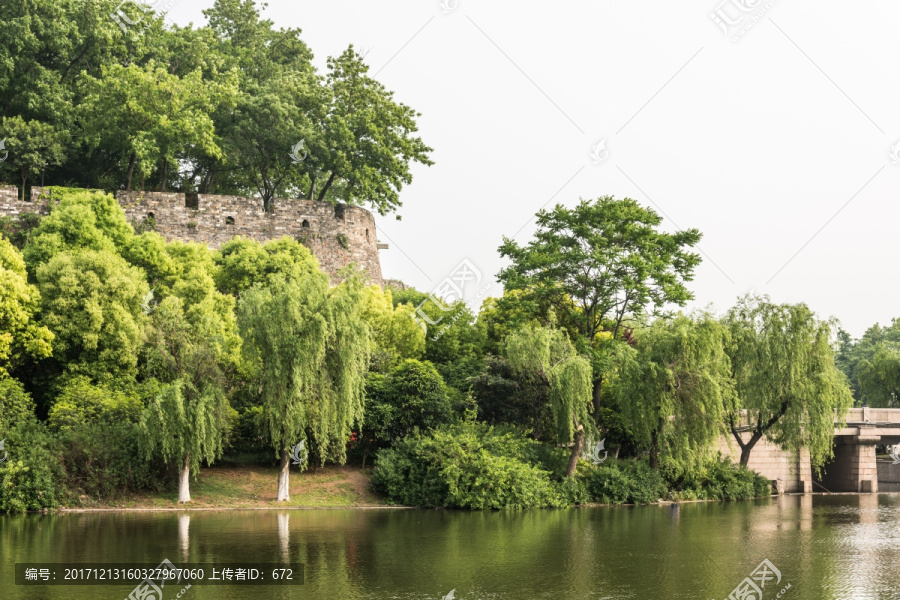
(336, 234)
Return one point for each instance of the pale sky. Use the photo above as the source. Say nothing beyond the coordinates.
(777, 146)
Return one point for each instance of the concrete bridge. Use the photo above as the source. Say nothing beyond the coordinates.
(854, 467)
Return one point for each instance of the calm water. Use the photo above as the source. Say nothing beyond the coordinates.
(826, 547)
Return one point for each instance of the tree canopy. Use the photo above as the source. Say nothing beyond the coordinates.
(785, 377)
(599, 265)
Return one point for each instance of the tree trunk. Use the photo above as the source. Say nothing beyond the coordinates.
(327, 186)
(654, 451)
(748, 447)
(597, 387)
(576, 452)
(132, 159)
(184, 481)
(284, 478)
(165, 175)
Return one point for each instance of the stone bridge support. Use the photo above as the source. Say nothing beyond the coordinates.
(853, 468)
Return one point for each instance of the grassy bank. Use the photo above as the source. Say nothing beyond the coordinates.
(253, 487)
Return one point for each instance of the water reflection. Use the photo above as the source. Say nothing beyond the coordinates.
(826, 547)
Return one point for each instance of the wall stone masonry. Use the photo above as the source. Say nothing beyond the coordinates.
(336, 234)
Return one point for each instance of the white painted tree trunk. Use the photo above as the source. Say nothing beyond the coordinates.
(284, 478)
(184, 481)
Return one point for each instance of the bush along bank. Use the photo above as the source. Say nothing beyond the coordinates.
(476, 466)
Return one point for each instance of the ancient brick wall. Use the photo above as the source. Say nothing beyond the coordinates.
(11, 206)
(336, 235)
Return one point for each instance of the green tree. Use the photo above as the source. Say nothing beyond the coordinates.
(189, 418)
(91, 301)
(548, 354)
(20, 334)
(879, 377)
(412, 396)
(785, 378)
(309, 348)
(673, 388)
(82, 220)
(32, 147)
(366, 142)
(599, 265)
(395, 335)
(147, 119)
(243, 263)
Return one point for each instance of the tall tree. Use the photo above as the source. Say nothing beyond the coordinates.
(674, 385)
(20, 335)
(188, 418)
(366, 141)
(879, 377)
(146, 119)
(599, 265)
(547, 353)
(308, 347)
(32, 146)
(785, 377)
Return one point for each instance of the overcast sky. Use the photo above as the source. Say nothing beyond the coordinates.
(774, 140)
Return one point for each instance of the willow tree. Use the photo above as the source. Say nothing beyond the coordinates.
(786, 379)
(308, 347)
(673, 387)
(548, 354)
(186, 421)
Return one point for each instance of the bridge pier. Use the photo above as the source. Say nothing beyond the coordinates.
(853, 468)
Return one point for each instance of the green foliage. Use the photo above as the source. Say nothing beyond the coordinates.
(626, 482)
(92, 303)
(31, 478)
(16, 405)
(715, 479)
(243, 263)
(103, 460)
(149, 117)
(412, 396)
(674, 386)
(395, 336)
(600, 263)
(785, 377)
(32, 146)
(80, 402)
(504, 396)
(188, 419)
(464, 466)
(82, 220)
(548, 354)
(17, 229)
(20, 334)
(308, 346)
(879, 377)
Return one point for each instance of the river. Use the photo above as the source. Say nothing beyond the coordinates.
(818, 548)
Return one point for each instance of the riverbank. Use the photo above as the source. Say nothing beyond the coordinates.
(254, 487)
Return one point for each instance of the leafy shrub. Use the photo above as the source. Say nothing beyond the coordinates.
(30, 475)
(465, 466)
(413, 396)
(718, 479)
(16, 405)
(81, 402)
(626, 482)
(103, 460)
